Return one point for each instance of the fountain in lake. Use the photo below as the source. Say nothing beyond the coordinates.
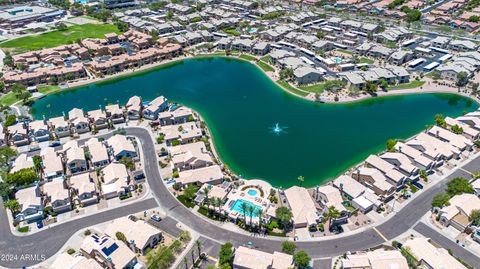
(277, 129)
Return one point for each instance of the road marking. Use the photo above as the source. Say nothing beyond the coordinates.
(212, 258)
(379, 233)
(468, 172)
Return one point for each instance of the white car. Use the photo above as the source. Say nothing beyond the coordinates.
(156, 218)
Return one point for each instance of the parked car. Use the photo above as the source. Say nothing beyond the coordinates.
(39, 224)
(55, 144)
(156, 218)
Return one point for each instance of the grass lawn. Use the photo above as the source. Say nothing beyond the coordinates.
(265, 67)
(248, 57)
(365, 61)
(411, 85)
(185, 201)
(315, 88)
(217, 53)
(290, 88)
(46, 89)
(57, 37)
(8, 99)
(345, 51)
(265, 58)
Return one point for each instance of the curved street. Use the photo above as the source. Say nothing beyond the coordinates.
(28, 250)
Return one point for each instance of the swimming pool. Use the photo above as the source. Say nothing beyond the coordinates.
(252, 192)
(237, 206)
(337, 60)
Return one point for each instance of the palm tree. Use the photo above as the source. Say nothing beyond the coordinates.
(423, 174)
(301, 179)
(193, 256)
(186, 262)
(250, 210)
(199, 246)
(332, 214)
(206, 191)
(218, 203)
(260, 215)
(207, 203)
(244, 207)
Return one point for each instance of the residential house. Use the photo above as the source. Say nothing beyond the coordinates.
(98, 119)
(66, 260)
(78, 120)
(121, 147)
(430, 256)
(467, 131)
(140, 235)
(304, 211)
(376, 181)
(156, 106)
(74, 157)
(134, 108)
(59, 126)
(458, 141)
(328, 196)
(84, 189)
(52, 164)
(109, 252)
(378, 258)
(393, 176)
(177, 116)
(184, 133)
(402, 163)
(417, 158)
(23, 161)
(18, 135)
(39, 130)
(457, 214)
(307, 75)
(115, 113)
(190, 156)
(97, 153)
(116, 181)
(206, 175)
(248, 258)
(31, 204)
(57, 196)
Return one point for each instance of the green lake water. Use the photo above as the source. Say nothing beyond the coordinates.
(240, 105)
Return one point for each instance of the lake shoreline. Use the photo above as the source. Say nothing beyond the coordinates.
(310, 97)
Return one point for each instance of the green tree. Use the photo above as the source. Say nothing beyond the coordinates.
(391, 145)
(284, 215)
(6, 154)
(128, 162)
(462, 79)
(475, 217)
(120, 236)
(10, 120)
(288, 247)
(8, 59)
(440, 120)
(250, 210)
(457, 129)
(22, 177)
(459, 185)
(5, 189)
(190, 191)
(440, 200)
(226, 253)
(301, 179)
(13, 205)
(331, 214)
(301, 259)
(383, 84)
(474, 18)
(371, 87)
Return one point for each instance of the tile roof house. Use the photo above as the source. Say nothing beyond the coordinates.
(429, 256)
(302, 206)
(84, 189)
(97, 153)
(59, 126)
(109, 252)
(79, 122)
(121, 147)
(247, 258)
(116, 181)
(190, 156)
(457, 214)
(140, 235)
(75, 157)
(31, 203)
(134, 108)
(57, 196)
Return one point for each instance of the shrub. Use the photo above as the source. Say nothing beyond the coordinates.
(87, 232)
(70, 251)
(23, 229)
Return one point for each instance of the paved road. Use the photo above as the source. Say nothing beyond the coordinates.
(32, 249)
(51, 240)
(446, 243)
